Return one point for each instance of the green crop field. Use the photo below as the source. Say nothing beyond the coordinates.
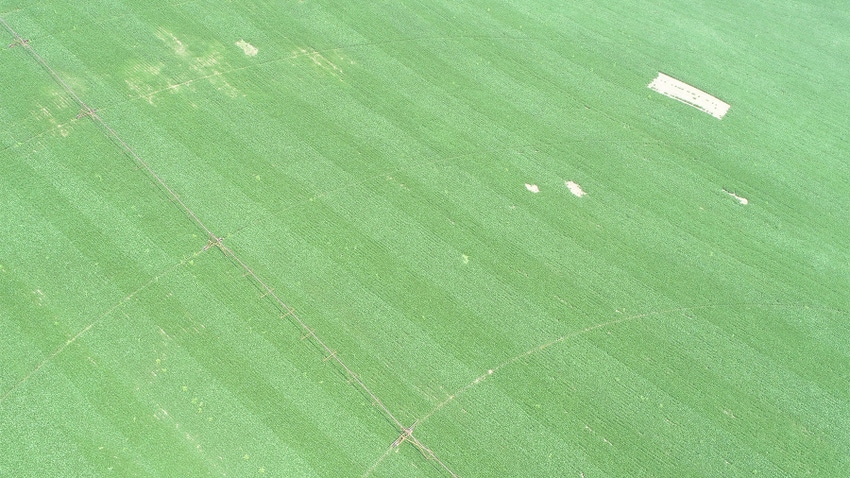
(423, 238)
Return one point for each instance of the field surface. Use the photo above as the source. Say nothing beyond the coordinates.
(257, 238)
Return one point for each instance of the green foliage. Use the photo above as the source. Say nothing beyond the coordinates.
(369, 164)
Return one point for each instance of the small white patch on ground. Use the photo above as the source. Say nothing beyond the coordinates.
(740, 199)
(575, 189)
(532, 187)
(681, 91)
(248, 48)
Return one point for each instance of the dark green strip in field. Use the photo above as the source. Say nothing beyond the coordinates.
(543, 266)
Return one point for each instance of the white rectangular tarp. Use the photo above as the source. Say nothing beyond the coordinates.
(678, 90)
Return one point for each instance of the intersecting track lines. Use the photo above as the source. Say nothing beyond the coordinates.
(100, 318)
(331, 355)
(407, 432)
(407, 435)
(216, 241)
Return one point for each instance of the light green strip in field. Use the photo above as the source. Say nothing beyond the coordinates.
(543, 266)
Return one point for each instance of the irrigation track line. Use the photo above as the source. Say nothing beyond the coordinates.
(606, 324)
(602, 325)
(100, 318)
(88, 111)
(217, 241)
(332, 355)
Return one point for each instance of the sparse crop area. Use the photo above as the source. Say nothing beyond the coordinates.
(449, 238)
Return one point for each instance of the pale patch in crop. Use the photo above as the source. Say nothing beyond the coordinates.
(141, 77)
(532, 187)
(44, 114)
(575, 189)
(248, 48)
(177, 46)
(320, 61)
(211, 67)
